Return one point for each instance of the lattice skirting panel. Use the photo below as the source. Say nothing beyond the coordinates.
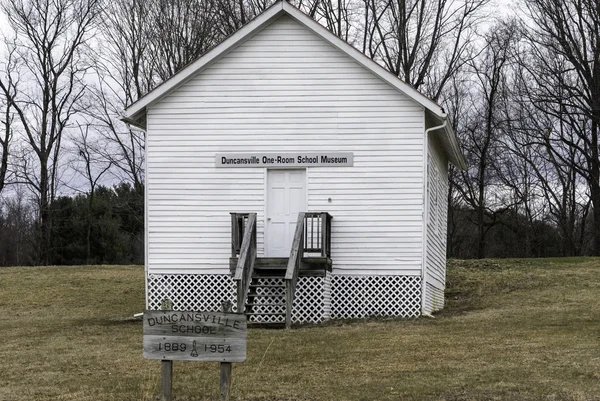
(206, 292)
(317, 298)
(366, 296)
(202, 292)
(311, 303)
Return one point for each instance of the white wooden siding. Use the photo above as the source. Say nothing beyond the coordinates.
(437, 215)
(286, 90)
(434, 299)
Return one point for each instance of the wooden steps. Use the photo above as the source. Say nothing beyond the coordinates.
(265, 304)
(263, 292)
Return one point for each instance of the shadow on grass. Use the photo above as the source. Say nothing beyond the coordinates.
(109, 322)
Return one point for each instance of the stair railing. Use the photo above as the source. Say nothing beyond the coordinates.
(238, 224)
(317, 233)
(245, 263)
(293, 267)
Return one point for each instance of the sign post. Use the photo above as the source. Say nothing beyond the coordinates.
(195, 336)
(166, 380)
(166, 367)
(226, 368)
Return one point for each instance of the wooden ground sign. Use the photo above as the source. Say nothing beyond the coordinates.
(195, 336)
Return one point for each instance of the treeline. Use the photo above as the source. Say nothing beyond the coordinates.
(521, 89)
(104, 228)
(513, 236)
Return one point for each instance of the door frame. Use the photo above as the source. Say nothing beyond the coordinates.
(266, 198)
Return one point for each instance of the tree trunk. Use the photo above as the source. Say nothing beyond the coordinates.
(44, 213)
(595, 187)
(88, 250)
(481, 231)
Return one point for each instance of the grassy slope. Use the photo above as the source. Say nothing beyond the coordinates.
(512, 330)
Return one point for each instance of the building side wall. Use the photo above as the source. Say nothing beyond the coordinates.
(285, 90)
(437, 215)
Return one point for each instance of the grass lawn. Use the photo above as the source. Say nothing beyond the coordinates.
(511, 330)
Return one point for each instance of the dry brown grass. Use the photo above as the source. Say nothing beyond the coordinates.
(512, 330)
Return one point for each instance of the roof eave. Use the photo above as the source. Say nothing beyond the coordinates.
(138, 121)
(457, 158)
(450, 144)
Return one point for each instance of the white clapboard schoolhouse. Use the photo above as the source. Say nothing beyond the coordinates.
(286, 168)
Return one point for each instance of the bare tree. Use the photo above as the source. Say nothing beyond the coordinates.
(181, 31)
(535, 136)
(232, 15)
(519, 184)
(123, 146)
(563, 72)
(49, 37)
(17, 225)
(90, 164)
(124, 66)
(423, 42)
(6, 131)
(334, 15)
(482, 132)
(5, 138)
(456, 95)
(123, 58)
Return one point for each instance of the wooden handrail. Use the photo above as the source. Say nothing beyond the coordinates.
(293, 267)
(238, 224)
(245, 264)
(317, 238)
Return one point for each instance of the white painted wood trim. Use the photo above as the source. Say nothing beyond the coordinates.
(457, 157)
(146, 248)
(265, 208)
(425, 217)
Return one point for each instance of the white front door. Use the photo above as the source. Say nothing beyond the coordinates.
(286, 197)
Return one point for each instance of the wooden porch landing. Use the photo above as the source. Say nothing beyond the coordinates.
(309, 266)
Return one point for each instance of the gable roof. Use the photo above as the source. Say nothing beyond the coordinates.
(135, 114)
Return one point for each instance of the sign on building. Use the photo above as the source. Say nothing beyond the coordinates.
(299, 159)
